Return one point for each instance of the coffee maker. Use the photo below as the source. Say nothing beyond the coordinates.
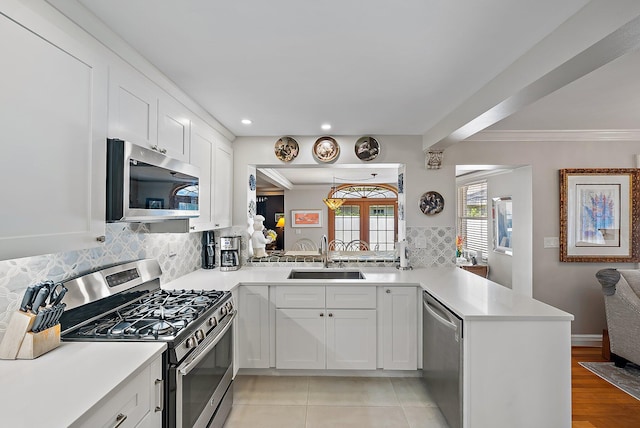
(229, 253)
(208, 250)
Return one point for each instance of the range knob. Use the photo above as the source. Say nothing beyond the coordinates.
(229, 306)
(199, 335)
(212, 322)
(223, 311)
(191, 342)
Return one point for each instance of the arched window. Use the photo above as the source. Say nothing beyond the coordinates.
(186, 197)
(370, 214)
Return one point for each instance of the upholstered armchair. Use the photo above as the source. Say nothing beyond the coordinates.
(621, 289)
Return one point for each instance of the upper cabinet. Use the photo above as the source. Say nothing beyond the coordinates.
(142, 113)
(133, 107)
(174, 123)
(53, 118)
(222, 185)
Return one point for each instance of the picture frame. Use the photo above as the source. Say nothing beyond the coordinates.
(599, 215)
(502, 210)
(278, 216)
(306, 218)
(154, 203)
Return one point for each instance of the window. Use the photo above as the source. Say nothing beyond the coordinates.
(472, 217)
(370, 214)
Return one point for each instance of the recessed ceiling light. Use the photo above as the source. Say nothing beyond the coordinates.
(246, 121)
(325, 126)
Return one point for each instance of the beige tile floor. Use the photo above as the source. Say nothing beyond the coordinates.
(336, 402)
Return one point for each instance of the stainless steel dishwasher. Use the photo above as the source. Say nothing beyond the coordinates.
(442, 358)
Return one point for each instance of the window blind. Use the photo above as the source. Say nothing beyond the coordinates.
(472, 217)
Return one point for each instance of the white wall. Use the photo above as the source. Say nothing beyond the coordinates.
(499, 263)
(306, 198)
(569, 286)
(405, 150)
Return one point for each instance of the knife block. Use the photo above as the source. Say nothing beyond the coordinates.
(19, 342)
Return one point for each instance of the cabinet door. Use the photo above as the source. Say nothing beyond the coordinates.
(133, 107)
(52, 154)
(399, 328)
(203, 149)
(351, 339)
(174, 123)
(222, 187)
(300, 339)
(253, 327)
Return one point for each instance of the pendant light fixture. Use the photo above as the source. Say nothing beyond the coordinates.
(333, 203)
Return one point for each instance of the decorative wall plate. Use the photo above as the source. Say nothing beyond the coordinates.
(367, 148)
(326, 149)
(431, 203)
(252, 208)
(286, 149)
(252, 182)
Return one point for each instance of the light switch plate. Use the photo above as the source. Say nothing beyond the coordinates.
(551, 242)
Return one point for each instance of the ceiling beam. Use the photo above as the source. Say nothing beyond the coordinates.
(604, 25)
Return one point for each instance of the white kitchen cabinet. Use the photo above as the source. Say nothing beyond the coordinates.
(300, 339)
(222, 184)
(203, 151)
(399, 325)
(135, 403)
(311, 334)
(133, 107)
(174, 128)
(351, 339)
(52, 157)
(253, 326)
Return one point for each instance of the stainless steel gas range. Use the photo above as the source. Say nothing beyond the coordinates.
(125, 303)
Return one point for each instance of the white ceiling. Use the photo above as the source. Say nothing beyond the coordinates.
(380, 67)
(367, 67)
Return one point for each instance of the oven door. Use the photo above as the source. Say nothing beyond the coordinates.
(204, 378)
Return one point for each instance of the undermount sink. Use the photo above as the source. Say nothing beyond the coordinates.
(325, 274)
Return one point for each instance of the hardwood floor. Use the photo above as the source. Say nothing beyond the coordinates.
(595, 402)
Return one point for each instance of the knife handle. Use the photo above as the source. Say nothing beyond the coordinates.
(37, 323)
(59, 296)
(28, 296)
(40, 299)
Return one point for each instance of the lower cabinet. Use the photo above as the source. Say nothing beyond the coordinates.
(315, 335)
(399, 332)
(328, 327)
(253, 327)
(136, 403)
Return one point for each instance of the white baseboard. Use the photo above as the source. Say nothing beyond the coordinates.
(592, 340)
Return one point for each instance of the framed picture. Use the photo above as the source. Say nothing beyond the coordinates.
(502, 225)
(306, 218)
(599, 215)
(154, 204)
(278, 216)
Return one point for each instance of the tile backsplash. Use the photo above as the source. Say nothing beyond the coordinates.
(177, 253)
(440, 246)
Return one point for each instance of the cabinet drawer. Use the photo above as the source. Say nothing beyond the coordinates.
(303, 296)
(132, 401)
(345, 297)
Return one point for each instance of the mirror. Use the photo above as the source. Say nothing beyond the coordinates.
(282, 188)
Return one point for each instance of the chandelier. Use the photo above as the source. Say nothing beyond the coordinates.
(333, 203)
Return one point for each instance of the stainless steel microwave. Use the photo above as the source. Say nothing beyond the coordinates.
(144, 185)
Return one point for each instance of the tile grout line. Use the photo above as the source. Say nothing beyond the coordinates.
(406, 419)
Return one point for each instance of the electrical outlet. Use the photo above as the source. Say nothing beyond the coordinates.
(172, 249)
(552, 242)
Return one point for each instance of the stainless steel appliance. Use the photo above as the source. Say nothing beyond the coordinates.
(208, 250)
(125, 303)
(442, 358)
(145, 185)
(229, 253)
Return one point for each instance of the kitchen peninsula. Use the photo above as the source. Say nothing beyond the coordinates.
(516, 350)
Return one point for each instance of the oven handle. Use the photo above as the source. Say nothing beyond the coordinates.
(191, 364)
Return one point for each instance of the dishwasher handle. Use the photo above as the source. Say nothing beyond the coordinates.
(440, 316)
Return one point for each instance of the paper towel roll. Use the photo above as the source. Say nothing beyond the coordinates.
(402, 248)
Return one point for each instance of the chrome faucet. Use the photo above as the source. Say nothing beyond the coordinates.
(324, 251)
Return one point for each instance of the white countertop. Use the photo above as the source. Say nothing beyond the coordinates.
(58, 387)
(470, 296)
